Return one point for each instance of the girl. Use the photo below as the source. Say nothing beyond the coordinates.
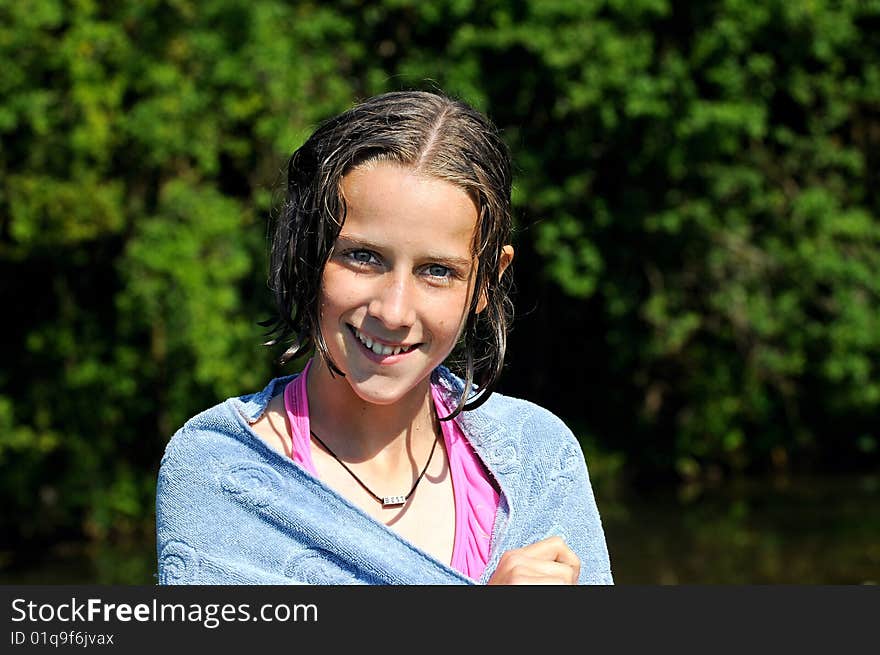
(377, 464)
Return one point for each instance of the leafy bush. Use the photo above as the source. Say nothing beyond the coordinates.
(698, 239)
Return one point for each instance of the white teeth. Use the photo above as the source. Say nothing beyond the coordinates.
(378, 348)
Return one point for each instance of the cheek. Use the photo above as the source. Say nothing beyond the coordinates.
(338, 290)
(451, 319)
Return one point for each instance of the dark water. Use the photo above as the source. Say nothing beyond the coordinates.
(796, 531)
(799, 531)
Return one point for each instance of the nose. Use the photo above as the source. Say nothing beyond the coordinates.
(393, 304)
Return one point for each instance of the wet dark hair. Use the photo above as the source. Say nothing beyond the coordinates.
(431, 134)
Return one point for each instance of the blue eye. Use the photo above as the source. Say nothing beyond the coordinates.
(361, 256)
(436, 270)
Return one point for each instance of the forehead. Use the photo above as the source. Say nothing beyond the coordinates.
(391, 202)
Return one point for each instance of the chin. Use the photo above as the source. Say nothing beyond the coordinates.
(380, 392)
(380, 396)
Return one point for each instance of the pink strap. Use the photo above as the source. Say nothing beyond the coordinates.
(296, 402)
(476, 500)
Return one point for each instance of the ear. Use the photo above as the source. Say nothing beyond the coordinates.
(506, 258)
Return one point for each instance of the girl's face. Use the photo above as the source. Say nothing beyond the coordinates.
(396, 290)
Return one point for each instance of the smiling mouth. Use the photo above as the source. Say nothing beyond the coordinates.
(379, 348)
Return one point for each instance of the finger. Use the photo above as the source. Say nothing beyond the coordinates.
(536, 572)
(518, 562)
(552, 548)
(546, 572)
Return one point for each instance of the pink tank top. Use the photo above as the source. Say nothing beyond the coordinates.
(476, 500)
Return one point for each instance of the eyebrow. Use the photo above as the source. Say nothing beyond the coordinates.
(451, 260)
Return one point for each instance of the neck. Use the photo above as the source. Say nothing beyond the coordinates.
(360, 430)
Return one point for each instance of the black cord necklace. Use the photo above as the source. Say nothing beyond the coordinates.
(387, 501)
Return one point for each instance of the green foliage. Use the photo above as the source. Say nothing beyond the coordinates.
(700, 172)
(693, 193)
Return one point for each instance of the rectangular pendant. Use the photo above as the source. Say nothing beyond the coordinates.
(393, 501)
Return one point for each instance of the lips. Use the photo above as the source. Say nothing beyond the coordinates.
(381, 349)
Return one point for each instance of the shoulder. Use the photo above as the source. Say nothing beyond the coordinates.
(526, 422)
(214, 459)
(512, 410)
(214, 475)
(225, 426)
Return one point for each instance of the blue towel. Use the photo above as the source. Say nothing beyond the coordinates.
(231, 510)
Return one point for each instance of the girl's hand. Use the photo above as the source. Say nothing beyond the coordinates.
(549, 561)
